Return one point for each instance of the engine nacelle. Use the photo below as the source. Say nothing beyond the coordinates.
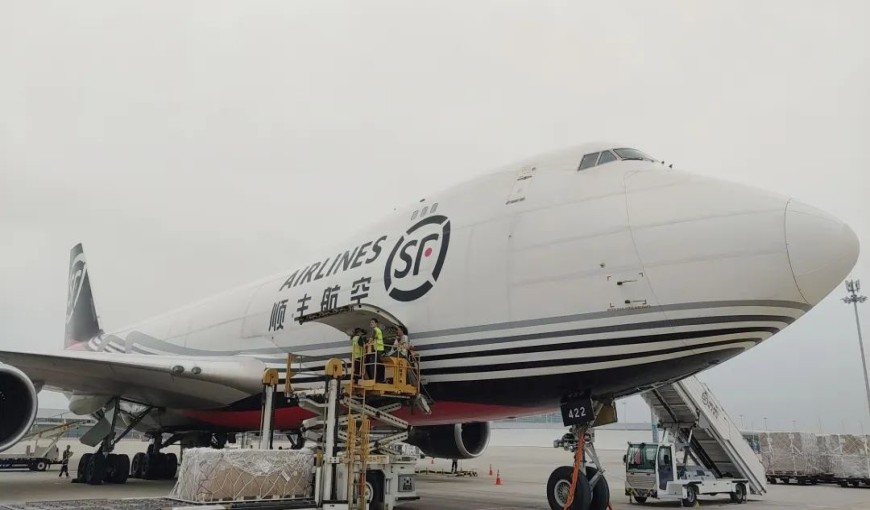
(459, 441)
(18, 405)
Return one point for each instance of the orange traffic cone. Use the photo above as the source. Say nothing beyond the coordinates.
(498, 477)
(490, 470)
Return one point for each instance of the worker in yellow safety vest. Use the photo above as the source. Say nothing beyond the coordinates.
(377, 348)
(357, 341)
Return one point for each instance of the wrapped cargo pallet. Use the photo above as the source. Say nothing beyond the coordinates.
(854, 458)
(829, 452)
(794, 453)
(209, 475)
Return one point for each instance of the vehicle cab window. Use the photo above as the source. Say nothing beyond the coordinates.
(641, 457)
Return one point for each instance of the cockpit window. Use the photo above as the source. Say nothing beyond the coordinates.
(632, 154)
(600, 158)
(588, 161)
(606, 157)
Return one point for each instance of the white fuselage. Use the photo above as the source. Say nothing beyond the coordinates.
(541, 279)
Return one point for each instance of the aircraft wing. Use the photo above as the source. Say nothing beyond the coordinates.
(161, 381)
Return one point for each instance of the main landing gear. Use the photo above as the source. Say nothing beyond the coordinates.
(154, 464)
(590, 488)
(103, 466)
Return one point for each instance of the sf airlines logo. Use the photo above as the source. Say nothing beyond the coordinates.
(416, 261)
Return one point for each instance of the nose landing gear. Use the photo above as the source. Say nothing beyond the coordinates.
(581, 486)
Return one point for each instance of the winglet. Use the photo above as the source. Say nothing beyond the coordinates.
(81, 315)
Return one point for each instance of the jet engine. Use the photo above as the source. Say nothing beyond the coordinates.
(17, 405)
(458, 441)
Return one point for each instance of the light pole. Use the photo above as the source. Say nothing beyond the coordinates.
(853, 287)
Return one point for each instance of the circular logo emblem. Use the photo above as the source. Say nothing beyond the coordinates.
(417, 258)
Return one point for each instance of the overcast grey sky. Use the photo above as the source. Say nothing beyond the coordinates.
(194, 146)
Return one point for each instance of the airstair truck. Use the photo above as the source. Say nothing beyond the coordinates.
(715, 456)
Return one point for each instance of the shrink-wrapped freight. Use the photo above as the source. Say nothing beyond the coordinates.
(209, 475)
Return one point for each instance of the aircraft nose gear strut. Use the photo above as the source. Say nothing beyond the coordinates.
(581, 486)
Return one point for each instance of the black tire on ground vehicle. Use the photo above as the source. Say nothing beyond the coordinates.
(136, 466)
(802, 481)
(83, 463)
(739, 494)
(842, 483)
(559, 485)
(95, 470)
(41, 465)
(170, 466)
(374, 490)
(691, 496)
(640, 499)
(855, 483)
(600, 492)
(772, 480)
(785, 480)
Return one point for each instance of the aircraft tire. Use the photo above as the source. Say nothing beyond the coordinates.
(170, 466)
(640, 499)
(600, 492)
(95, 470)
(111, 467)
(151, 467)
(560, 483)
(136, 466)
(119, 467)
(83, 464)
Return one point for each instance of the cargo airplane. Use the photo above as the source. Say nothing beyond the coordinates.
(594, 270)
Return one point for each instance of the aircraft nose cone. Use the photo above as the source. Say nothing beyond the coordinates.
(821, 249)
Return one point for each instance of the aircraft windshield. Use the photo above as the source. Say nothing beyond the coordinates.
(599, 158)
(632, 154)
(641, 457)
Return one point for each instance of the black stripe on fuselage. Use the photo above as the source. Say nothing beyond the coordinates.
(547, 389)
(575, 361)
(615, 328)
(137, 337)
(522, 365)
(618, 328)
(607, 342)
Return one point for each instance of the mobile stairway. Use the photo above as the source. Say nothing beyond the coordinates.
(689, 411)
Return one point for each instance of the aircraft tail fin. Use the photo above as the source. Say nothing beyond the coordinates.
(82, 323)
